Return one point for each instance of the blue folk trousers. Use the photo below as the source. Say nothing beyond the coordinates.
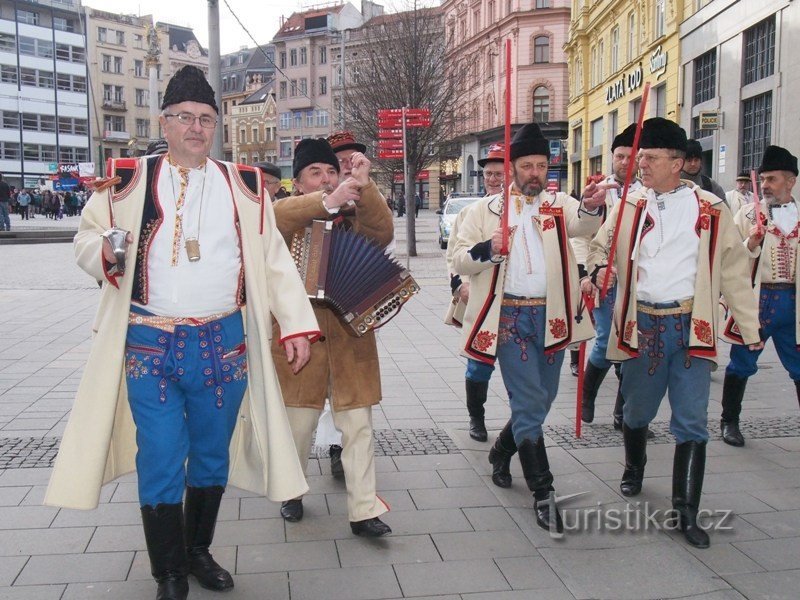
(602, 314)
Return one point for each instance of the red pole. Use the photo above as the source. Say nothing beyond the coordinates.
(589, 302)
(628, 178)
(757, 200)
(507, 160)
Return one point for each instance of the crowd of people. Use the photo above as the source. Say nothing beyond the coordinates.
(210, 366)
(30, 203)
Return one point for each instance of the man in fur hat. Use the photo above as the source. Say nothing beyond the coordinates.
(611, 190)
(770, 233)
(343, 367)
(524, 309)
(177, 378)
(677, 249)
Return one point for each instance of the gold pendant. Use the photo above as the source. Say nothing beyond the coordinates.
(193, 249)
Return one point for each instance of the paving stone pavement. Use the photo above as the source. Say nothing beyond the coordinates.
(456, 536)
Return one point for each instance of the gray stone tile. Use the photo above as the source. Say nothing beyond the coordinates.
(13, 495)
(460, 478)
(529, 573)
(489, 519)
(118, 513)
(483, 544)
(24, 542)
(560, 593)
(395, 549)
(773, 555)
(140, 568)
(74, 568)
(115, 538)
(653, 577)
(26, 517)
(32, 592)
(408, 522)
(451, 577)
(787, 499)
(25, 476)
(739, 502)
(454, 498)
(777, 524)
(320, 527)
(410, 480)
(725, 559)
(356, 583)
(242, 533)
(432, 462)
(10, 566)
(767, 586)
(292, 556)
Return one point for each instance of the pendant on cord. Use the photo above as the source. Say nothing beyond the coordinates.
(193, 249)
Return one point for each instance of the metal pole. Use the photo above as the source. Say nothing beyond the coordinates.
(342, 92)
(214, 71)
(409, 197)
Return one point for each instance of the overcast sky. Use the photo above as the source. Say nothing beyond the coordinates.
(260, 17)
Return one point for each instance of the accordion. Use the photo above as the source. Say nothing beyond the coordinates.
(351, 275)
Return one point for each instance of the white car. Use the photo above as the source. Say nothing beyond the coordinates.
(452, 206)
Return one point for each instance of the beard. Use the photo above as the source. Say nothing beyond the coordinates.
(532, 187)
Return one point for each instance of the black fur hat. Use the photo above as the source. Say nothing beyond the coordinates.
(529, 140)
(269, 169)
(625, 139)
(778, 159)
(693, 149)
(189, 85)
(662, 133)
(310, 151)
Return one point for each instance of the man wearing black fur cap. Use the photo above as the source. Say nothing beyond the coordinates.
(773, 256)
(179, 383)
(343, 367)
(677, 249)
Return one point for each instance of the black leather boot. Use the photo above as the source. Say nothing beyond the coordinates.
(536, 469)
(620, 402)
(163, 533)
(574, 359)
(635, 460)
(292, 510)
(797, 388)
(202, 508)
(687, 486)
(476, 398)
(337, 468)
(732, 395)
(500, 457)
(592, 379)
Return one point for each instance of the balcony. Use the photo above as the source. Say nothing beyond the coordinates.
(115, 105)
(116, 136)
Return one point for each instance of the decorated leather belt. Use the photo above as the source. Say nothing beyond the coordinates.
(524, 301)
(777, 286)
(169, 324)
(659, 310)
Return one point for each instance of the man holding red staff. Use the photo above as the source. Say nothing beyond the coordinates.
(676, 250)
(525, 308)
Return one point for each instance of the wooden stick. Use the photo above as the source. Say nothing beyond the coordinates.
(628, 178)
(507, 160)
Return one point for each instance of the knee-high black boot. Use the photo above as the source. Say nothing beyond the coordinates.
(732, 395)
(500, 457)
(536, 469)
(620, 402)
(687, 486)
(635, 460)
(797, 388)
(574, 358)
(163, 533)
(202, 507)
(476, 398)
(592, 378)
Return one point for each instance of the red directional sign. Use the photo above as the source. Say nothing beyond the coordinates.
(390, 154)
(390, 134)
(390, 145)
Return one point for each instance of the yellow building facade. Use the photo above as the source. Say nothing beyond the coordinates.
(614, 48)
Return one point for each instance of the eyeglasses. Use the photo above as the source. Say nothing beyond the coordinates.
(648, 157)
(187, 118)
(272, 181)
(489, 174)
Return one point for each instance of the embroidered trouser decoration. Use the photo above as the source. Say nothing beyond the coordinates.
(530, 376)
(665, 367)
(185, 389)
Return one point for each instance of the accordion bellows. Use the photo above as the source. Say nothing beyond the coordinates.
(351, 274)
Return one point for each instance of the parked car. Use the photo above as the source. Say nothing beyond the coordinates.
(454, 204)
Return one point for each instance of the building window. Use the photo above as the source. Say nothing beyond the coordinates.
(615, 49)
(303, 55)
(601, 61)
(102, 34)
(698, 133)
(593, 68)
(337, 76)
(282, 90)
(756, 129)
(119, 38)
(541, 105)
(114, 123)
(255, 136)
(138, 68)
(596, 132)
(225, 135)
(282, 60)
(28, 16)
(297, 117)
(660, 18)
(242, 136)
(293, 57)
(323, 55)
(138, 41)
(323, 86)
(322, 118)
(286, 120)
(541, 49)
(759, 51)
(143, 128)
(8, 42)
(632, 46)
(705, 76)
(612, 126)
(489, 64)
(63, 24)
(577, 140)
(661, 101)
(9, 120)
(141, 97)
(578, 76)
(37, 78)
(309, 118)
(293, 88)
(286, 148)
(106, 63)
(542, 3)
(476, 21)
(304, 86)
(596, 165)
(8, 74)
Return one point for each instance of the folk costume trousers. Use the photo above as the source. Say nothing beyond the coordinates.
(602, 314)
(478, 371)
(665, 367)
(358, 454)
(185, 388)
(777, 313)
(529, 375)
